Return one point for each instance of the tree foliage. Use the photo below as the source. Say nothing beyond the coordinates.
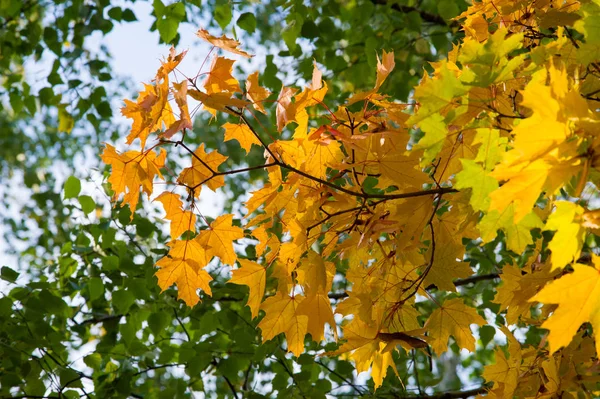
(375, 235)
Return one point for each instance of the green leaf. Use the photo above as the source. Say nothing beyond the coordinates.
(96, 288)
(167, 28)
(486, 334)
(8, 274)
(87, 203)
(122, 300)
(247, 21)
(447, 9)
(157, 322)
(292, 31)
(116, 13)
(65, 120)
(128, 15)
(223, 15)
(72, 187)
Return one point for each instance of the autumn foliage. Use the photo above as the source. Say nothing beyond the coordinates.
(500, 139)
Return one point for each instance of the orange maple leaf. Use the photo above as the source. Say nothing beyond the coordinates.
(285, 111)
(220, 237)
(223, 43)
(256, 93)
(181, 220)
(219, 77)
(150, 112)
(201, 171)
(183, 267)
(242, 134)
(254, 276)
(131, 171)
(184, 121)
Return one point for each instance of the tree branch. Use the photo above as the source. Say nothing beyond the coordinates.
(450, 395)
(425, 16)
(457, 283)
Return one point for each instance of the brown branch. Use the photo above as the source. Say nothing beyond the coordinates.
(450, 395)
(101, 319)
(341, 377)
(282, 164)
(425, 16)
(162, 366)
(457, 283)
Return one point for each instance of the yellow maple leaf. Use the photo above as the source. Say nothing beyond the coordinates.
(578, 298)
(183, 267)
(256, 93)
(170, 63)
(242, 133)
(150, 112)
(131, 171)
(181, 220)
(184, 121)
(317, 307)
(282, 317)
(285, 111)
(223, 42)
(568, 240)
(453, 318)
(385, 65)
(542, 156)
(199, 173)
(220, 237)
(504, 373)
(254, 276)
(219, 77)
(214, 102)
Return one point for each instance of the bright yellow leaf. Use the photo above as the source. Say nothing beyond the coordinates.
(181, 220)
(242, 133)
(219, 77)
(282, 317)
(131, 171)
(223, 42)
(183, 267)
(453, 318)
(254, 276)
(578, 298)
(256, 93)
(220, 237)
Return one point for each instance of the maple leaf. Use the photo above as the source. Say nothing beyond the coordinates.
(184, 121)
(474, 177)
(150, 112)
(254, 276)
(285, 110)
(183, 267)
(223, 43)
(242, 133)
(453, 318)
(219, 237)
(568, 241)
(540, 158)
(219, 77)
(256, 93)
(578, 298)
(181, 220)
(201, 171)
(131, 171)
(518, 235)
(170, 63)
(282, 317)
(505, 371)
(214, 102)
